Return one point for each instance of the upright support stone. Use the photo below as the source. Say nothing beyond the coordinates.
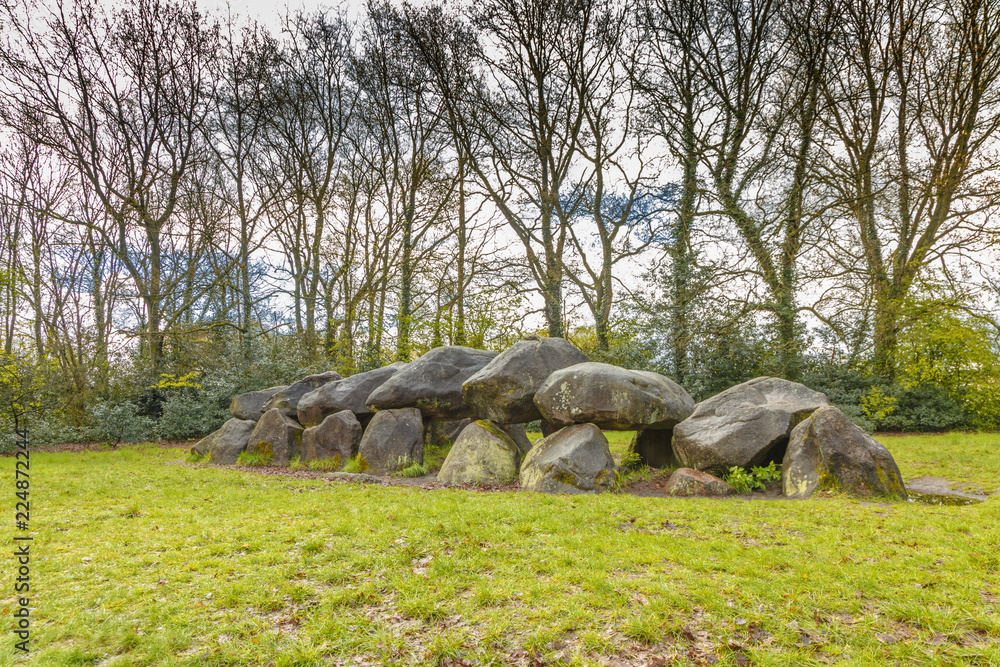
(276, 435)
(654, 448)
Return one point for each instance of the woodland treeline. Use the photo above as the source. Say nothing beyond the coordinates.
(197, 204)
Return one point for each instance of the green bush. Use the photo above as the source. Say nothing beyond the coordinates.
(115, 423)
(191, 413)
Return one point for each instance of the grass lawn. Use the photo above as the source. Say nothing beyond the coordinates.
(137, 561)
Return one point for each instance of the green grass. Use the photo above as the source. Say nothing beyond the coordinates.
(972, 458)
(137, 561)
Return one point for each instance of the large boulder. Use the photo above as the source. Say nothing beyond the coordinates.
(351, 393)
(504, 390)
(654, 448)
(483, 454)
(248, 405)
(687, 482)
(276, 435)
(230, 441)
(828, 452)
(335, 439)
(575, 459)
(746, 425)
(433, 383)
(613, 398)
(287, 400)
(202, 446)
(392, 441)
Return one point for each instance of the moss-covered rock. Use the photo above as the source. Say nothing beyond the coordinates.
(575, 459)
(351, 393)
(276, 435)
(482, 454)
(201, 447)
(828, 452)
(287, 400)
(746, 425)
(248, 405)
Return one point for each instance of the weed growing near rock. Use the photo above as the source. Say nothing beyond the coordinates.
(253, 458)
(412, 470)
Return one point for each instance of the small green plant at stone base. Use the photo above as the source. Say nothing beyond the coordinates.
(325, 465)
(413, 470)
(766, 474)
(253, 459)
(630, 460)
(741, 480)
(758, 477)
(296, 463)
(195, 457)
(353, 466)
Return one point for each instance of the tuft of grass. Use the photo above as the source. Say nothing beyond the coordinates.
(354, 465)
(295, 463)
(132, 511)
(326, 465)
(630, 460)
(412, 470)
(253, 459)
(195, 457)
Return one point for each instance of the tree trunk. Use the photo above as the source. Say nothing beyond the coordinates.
(406, 289)
(153, 298)
(680, 278)
(462, 243)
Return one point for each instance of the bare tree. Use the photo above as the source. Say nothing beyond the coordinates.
(914, 109)
(312, 104)
(236, 133)
(407, 121)
(760, 64)
(122, 99)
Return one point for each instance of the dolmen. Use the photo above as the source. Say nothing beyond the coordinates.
(475, 403)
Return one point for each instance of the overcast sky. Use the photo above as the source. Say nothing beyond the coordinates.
(268, 11)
